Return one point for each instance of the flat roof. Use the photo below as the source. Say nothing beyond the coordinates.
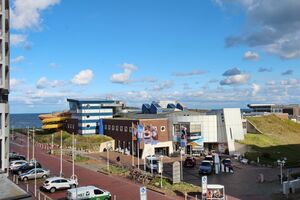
(9, 190)
(92, 100)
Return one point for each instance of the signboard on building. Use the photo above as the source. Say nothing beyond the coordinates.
(176, 172)
(143, 193)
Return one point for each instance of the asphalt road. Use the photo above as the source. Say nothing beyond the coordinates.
(121, 188)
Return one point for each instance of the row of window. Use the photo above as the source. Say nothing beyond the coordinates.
(126, 128)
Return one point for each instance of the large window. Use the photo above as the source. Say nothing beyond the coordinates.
(125, 129)
(121, 128)
(113, 127)
(117, 128)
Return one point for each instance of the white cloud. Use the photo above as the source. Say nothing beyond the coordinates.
(18, 59)
(43, 83)
(191, 73)
(237, 79)
(291, 82)
(15, 83)
(124, 77)
(84, 77)
(250, 55)
(53, 65)
(255, 89)
(18, 39)
(162, 86)
(25, 14)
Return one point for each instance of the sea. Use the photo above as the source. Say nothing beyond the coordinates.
(30, 120)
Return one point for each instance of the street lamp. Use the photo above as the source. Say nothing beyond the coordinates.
(161, 169)
(281, 164)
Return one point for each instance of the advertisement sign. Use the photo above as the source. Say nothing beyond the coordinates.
(181, 131)
(140, 132)
(150, 135)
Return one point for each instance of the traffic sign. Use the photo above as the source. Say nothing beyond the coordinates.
(204, 186)
(143, 193)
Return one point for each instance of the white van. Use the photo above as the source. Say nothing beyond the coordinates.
(88, 192)
(152, 163)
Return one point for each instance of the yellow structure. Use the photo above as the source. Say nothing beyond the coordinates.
(53, 121)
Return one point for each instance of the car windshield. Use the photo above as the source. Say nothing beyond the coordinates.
(205, 164)
(154, 162)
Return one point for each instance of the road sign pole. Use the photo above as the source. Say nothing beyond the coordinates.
(61, 149)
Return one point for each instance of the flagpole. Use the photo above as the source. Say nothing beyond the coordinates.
(132, 150)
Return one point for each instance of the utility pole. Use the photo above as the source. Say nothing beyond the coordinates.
(52, 138)
(28, 143)
(73, 157)
(60, 173)
(34, 160)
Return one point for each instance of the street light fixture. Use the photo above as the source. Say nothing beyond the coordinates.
(281, 164)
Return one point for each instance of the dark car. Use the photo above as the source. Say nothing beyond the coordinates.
(26, 167)
(189, 162)
(14, 156)
(205, 167)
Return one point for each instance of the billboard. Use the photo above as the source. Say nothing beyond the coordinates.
(150, 135)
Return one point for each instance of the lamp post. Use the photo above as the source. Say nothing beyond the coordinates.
(181, 168)
(107, 153)
(60, 172)
(161, 169)
(28, 144)
(281, 164)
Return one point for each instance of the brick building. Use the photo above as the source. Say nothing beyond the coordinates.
(120, 129)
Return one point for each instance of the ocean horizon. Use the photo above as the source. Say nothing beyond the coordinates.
(25, 120)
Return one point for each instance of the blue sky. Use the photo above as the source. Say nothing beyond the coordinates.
(206, 54)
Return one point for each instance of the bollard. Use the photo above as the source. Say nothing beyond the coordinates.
(39, 195)
(27, 187)
(115, 197)
(17, 181)
(14, 178)
(196, 197)
(185, 196)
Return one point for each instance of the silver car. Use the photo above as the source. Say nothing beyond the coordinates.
(40, 173)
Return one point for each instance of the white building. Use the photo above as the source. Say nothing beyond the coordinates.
(219, 129)
(88, 112)
(4, 85)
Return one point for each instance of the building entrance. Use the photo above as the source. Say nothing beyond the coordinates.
(162, 151)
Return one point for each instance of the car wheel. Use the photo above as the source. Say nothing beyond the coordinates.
(52, 190)
(25, 178)
(44, 176)
(73, 186)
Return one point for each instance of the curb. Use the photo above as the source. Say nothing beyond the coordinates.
(156, 190)
(102, 172)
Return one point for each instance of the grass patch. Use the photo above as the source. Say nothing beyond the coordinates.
(178, 187)
(116, 170)
(86, 142)
(280, 139)
(80, 158)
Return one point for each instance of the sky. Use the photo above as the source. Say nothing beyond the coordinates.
(206, 54)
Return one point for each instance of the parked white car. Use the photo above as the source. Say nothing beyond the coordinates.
(88, 192)
(58, 183)
(16, 163)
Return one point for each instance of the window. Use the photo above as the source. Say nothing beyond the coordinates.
(96, 192)
(117, 128)
(105, 127)
(63, 181)
(125, 129)
(162, 128)
(121, 128)
(88, 126)
(108, 127)
(130, 129)
(113, 127)
(87, 116)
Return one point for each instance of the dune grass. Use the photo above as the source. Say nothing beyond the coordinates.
(280, 138)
